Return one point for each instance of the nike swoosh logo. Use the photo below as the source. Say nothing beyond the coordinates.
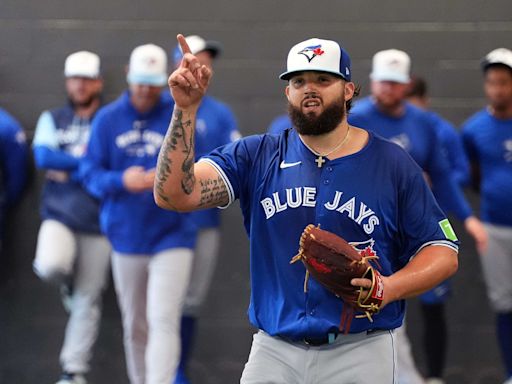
(284, 165)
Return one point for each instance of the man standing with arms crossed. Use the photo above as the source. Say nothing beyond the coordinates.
(322, 172)
(487, 137)
(70, 248)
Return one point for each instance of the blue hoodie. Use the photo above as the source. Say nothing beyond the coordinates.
(122, 137)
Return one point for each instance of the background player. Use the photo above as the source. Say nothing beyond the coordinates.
(13, 165)
(435, 336)
(215, 127)
(300, 177)
(70, 249)
(152, 248)
(487, 137)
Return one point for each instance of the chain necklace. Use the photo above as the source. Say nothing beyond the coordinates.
(320, 159)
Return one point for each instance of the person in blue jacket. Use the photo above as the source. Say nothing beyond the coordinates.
(152, 248)
(487, 137)
(387, 113)
(216, 126)
(71, 251)
(324, 172)
(13, 165)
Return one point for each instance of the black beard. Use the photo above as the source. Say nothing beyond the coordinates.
(311, 125)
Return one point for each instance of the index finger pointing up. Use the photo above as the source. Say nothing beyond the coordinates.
(183, 44)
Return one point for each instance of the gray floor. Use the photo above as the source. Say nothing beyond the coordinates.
(32, 318)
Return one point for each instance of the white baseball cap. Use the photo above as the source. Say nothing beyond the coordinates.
(82, 64)
(501, 56)
(197, 44)
(391, 65)
(317, 55)
(148, 65)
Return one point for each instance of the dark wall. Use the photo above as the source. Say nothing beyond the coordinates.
(446, 40)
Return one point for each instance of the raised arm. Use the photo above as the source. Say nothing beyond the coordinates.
(180, 184)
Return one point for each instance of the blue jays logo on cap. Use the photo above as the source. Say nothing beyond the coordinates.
(312, 51)
(322, 56)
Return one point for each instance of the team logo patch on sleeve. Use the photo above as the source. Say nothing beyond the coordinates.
(447, 229)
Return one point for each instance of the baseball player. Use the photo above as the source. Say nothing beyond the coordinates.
(432, 302)
(13, 165)
(215, 127)
(70, 248)
(326, 172)
(152, 248)
(487, 137)
(387, 113)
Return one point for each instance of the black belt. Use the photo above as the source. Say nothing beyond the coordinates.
(318, 341)
(329, 338)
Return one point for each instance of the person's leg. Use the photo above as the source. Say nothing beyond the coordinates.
(55, 252)
(169, 273)
(274, 361)
(497, 269)
(435, 338)
(203, 267)
(407, 371)
(356, 359)
(130, 274)
(90, 277)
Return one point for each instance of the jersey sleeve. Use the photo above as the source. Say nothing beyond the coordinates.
(421, 221)
(233, 163)
(95, 171)
(446, 190)
(455, 153)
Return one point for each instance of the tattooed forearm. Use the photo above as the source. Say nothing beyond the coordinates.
(213, 192)
(176, 139)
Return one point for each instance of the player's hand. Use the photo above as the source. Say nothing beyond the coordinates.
(366, 284)
(477, 230)
(135, 180)
(189, 82)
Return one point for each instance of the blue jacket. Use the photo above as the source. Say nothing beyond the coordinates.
(122, 137)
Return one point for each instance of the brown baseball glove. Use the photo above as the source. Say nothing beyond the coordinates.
(334, 263)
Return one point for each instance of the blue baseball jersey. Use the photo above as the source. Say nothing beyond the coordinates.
(488, 142)
(414, 131)
(13, 160)
(122, 137)
(452, 148)
(60, 141)
(376, 199)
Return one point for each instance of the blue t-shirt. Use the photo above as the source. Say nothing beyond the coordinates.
(488, 142)
(122, 137)
(376, 199)
(414, 131)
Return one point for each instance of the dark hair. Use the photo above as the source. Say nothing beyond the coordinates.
(357, 91)
(496, 65)
(417, 87)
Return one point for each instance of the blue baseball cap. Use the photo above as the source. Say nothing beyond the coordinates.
(318, 55)
(197, 44)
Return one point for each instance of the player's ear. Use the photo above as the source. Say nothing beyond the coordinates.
(287, 92)
(349, 90)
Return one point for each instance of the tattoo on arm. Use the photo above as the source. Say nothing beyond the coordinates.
(213, 192)
(176, 137)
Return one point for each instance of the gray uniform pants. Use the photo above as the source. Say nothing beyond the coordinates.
(352, 359)
(150, 292)
(84, 259)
